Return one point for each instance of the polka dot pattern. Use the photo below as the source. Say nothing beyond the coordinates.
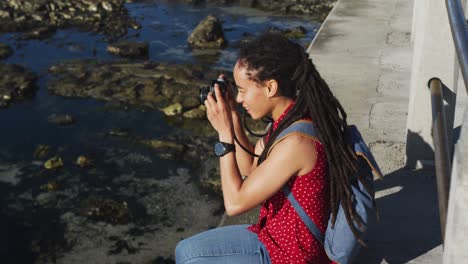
(280, 228)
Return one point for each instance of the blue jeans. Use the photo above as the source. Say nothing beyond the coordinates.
(224, 245)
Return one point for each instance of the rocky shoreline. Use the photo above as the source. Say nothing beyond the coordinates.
(107, 16)
(317, 9)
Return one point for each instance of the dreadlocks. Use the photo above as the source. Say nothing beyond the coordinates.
(272, 56)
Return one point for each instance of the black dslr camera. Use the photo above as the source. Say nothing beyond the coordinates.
(205, 90)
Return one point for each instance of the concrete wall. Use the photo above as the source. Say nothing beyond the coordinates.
(456, 243)
(433, 56)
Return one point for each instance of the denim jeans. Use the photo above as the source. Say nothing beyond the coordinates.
(225, 245)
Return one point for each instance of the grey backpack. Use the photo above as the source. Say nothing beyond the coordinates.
(339, 241)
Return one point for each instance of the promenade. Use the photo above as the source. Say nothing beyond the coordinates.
(364, 52)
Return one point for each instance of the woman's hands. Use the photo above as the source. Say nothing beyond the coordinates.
(220, 113)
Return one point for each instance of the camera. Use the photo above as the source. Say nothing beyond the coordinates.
(205, 90)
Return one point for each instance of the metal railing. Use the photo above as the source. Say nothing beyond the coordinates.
(459, 28)
(442, 124)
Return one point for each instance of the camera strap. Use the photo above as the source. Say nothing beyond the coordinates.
(269, 121)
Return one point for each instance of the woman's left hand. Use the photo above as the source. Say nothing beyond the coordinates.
(219, 115)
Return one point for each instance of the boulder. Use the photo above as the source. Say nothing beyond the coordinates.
(129, 49)
(208, 34)
(62, 120)
(172, 110)
(16, 84)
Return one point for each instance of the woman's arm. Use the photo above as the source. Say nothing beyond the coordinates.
(294, 155)
(290, 156)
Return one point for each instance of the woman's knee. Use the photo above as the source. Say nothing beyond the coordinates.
(181, 251)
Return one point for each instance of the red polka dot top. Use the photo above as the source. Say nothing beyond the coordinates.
(280, 228)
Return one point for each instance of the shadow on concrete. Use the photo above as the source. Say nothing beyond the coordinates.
(416, 142)
(409, 215)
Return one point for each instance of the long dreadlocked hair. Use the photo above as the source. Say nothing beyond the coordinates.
(272, 56)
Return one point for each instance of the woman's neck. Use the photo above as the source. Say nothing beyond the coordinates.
(280, 107)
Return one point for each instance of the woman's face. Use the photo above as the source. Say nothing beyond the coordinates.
(251, 95)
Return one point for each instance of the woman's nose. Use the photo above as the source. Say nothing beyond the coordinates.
(238, 98)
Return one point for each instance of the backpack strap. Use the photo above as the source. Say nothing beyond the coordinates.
(303, 127)
(303, 215)
(306, 128)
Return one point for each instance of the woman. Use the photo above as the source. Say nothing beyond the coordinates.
(275, 78)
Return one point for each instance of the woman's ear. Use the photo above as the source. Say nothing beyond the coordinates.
(272, 88)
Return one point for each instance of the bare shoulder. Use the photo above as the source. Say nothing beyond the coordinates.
(297, 150)
(296, 142)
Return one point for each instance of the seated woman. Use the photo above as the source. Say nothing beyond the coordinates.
(275, 78)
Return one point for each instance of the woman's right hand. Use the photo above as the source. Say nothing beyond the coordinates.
(230, 98)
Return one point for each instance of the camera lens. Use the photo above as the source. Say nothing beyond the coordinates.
(205, 90)
(204, 94)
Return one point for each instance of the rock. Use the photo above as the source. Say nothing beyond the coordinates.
(6, 97)
(166, 149)
(5, 51)
(129, 49)
(50, 187)
(53, 163)
(154, 143)
(83, 161)
(107, 16)
(171, 88)
(208, 34)
(107, 210)
(318, 9)
(62, 120)
(295, 33)
(107, 6)
(190, 103)
(172, 110)
(118, 132)
(315, 8)
(4, 14)
(292, 33)
(41, 151)
(196, 113)
(39, 33)
(16, 84)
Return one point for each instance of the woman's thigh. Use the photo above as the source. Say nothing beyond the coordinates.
(224, 245)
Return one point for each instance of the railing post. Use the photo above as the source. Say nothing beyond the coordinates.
(442, 147)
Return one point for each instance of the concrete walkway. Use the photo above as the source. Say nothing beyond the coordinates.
(364, 53)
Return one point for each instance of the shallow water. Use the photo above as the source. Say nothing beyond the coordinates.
(165, 26)
(23, 126)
